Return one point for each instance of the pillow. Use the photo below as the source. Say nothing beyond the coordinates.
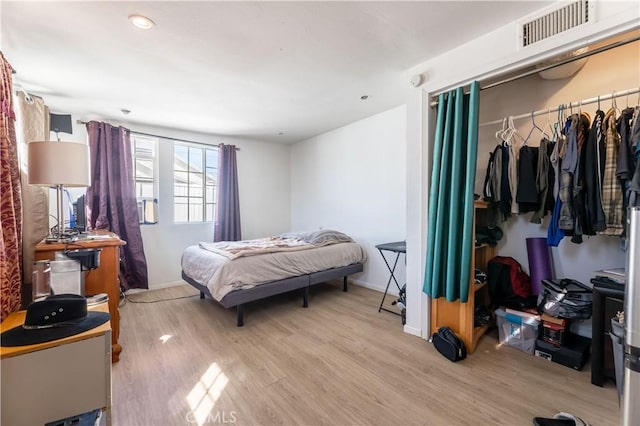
(326, 236)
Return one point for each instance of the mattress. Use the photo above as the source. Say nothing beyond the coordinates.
(221, 275)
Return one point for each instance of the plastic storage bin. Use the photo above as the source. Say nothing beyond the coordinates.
(519, 332)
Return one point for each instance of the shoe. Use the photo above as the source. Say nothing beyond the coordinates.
(567, 416)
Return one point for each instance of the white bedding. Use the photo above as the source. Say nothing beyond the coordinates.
(222, 275)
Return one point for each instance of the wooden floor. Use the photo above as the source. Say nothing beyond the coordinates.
(337, 362)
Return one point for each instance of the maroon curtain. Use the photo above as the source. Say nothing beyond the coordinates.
(10, 199)
(111, 198)
(227, 224)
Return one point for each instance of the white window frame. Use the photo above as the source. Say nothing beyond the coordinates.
(147, 205)
(209, 198)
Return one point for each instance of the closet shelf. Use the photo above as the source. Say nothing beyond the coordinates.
(478, 332)
(460, 316)
(479, 286)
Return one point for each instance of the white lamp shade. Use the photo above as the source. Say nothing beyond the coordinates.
(55, 163)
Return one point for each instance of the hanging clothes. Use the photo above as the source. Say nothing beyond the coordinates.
(580, 210)
(624, 163)
(491, 189)
(554, 233)
(505, 184)
(634, 141)
(542, 181)
(551, 178)
(556, 158)
(527, 194)
(593, 174)
(612, 191)
(568, 165)
(513, 178)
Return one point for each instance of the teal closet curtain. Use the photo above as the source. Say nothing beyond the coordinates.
(450, 228)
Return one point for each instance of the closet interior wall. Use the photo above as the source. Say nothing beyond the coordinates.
(604, 73)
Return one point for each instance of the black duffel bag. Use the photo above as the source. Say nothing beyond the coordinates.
(565, 298)
(449, 345)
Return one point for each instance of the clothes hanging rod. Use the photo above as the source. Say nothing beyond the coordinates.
(550, 66)
(160, 136)
(567, 106)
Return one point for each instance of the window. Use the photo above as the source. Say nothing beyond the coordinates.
(195, 171)
(144, 171)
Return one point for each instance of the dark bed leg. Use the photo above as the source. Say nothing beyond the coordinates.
(239, 315)
(305, 297)
(344, 285)
(201, 295)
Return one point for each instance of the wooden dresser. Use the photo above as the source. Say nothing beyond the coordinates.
(104, 279)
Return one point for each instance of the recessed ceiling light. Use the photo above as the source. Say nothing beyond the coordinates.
(125, 111)
(364, 97)
(280, 133)
(142, 22)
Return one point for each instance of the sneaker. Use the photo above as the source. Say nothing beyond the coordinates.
(567, 416)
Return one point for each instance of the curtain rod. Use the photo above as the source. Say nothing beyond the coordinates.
(570, 105)
(550, 66)
(160, 136)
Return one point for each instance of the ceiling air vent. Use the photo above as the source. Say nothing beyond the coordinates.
(560, 20)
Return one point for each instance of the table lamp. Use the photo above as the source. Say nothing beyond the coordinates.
(59, 164)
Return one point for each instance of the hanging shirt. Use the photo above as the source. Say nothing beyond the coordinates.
(551, 179)
(580, 210)
(554, 233)
(566, 219)
(624, 163)
(491, 190)
(611, 188)
(505, 185)
(593, 168)
(513, 178)
(570, 159)
(542, 181)
(527, 192)
(555, 163)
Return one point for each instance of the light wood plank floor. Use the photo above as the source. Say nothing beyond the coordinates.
(338, 362)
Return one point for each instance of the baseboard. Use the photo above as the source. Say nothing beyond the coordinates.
(364, 284)
(412, 330)
(160, 286)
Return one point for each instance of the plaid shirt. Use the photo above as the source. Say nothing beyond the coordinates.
(611, 187)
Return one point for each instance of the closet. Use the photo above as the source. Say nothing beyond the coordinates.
(613, 73)
(533, 103)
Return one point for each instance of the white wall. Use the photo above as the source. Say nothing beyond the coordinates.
(489, 56)
(263, 176)
(353, 179)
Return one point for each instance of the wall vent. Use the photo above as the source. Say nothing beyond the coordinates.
(558, 21)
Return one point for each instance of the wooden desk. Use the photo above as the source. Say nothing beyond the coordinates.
(104, 279)
(55, 380)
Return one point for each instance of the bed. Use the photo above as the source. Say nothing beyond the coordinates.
(236, 273)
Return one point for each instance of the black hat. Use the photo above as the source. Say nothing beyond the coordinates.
(52, 318)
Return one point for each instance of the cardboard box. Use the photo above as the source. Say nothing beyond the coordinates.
(574, 353)
(553, 333)
(552, 319)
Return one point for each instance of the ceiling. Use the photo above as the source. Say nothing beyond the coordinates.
(272, 71)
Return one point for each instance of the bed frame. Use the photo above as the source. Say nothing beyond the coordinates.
(238, 298)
